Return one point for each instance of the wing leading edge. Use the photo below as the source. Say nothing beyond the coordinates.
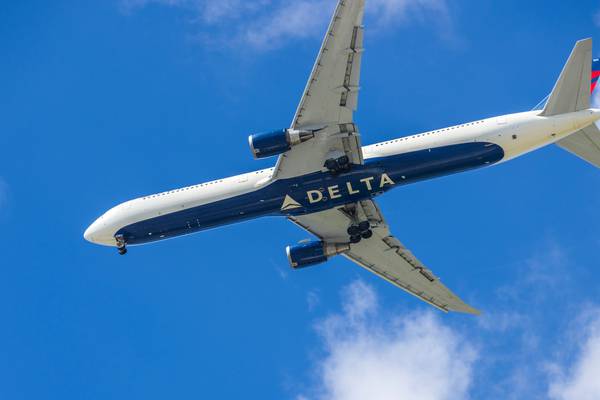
(383, 254)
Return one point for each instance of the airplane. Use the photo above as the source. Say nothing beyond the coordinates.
(325, 181)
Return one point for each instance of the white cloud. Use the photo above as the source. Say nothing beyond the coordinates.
(517, 349)
(393, 10)
(294, 20)
(501, 321)
(312, 299)
(545, 270)
(130, 5)
(581, 379)
(268, 24)
(371, 354)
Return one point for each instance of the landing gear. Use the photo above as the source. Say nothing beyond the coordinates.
(338, 165)
(360, 231)
(121, 244)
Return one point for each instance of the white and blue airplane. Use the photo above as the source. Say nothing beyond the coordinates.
(325, 181)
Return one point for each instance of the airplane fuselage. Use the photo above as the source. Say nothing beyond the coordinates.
(387, 165)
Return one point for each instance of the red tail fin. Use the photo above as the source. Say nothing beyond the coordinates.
(595, 73)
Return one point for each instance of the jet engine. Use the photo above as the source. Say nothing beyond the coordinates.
(312, 253)
(276, 142)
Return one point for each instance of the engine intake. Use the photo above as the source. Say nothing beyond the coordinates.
(312, 253)
(269, 144)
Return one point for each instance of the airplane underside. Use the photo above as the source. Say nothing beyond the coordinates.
(325, 180)
(318, 191)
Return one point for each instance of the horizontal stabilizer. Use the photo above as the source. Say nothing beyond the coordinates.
(572, 90)
(585, 144)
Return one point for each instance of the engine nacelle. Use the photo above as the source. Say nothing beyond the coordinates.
(272, 143)
(312, 253)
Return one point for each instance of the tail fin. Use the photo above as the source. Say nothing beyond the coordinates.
(595, 94)
(571, 91)
(585, 143)
(595, 73)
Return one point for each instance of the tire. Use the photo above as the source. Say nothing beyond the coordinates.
(367, 234)
(355, 239)
(354, 230)
(364, 226)
(343, 161)
(331, 164)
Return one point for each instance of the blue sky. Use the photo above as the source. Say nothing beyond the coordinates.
(106, 101)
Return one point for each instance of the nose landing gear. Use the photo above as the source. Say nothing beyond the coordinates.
(121, 244)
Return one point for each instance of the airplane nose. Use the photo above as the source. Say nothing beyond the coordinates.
(89, 232)
(102, 232)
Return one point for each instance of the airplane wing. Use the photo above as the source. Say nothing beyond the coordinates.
(382, 254)
(330, 97)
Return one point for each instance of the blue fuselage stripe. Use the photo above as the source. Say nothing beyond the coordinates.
(375, 176)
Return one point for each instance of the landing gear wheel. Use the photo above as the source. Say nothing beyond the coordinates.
(355, 239)
(367, 234)
(354, 230)
(343, 164)
(343, 161)
(338, 165)
(121, 244)
(364, 226)
(332, 165)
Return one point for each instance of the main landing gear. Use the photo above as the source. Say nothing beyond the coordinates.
(360, 231)
(338, 165)
(121, 244)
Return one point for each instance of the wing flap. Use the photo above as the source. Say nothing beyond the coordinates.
(350, 89)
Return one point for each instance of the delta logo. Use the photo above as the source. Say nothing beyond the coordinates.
(334, 192)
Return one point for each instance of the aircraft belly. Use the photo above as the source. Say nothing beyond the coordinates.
(318, 191)
(207, 216)
(431, 163)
